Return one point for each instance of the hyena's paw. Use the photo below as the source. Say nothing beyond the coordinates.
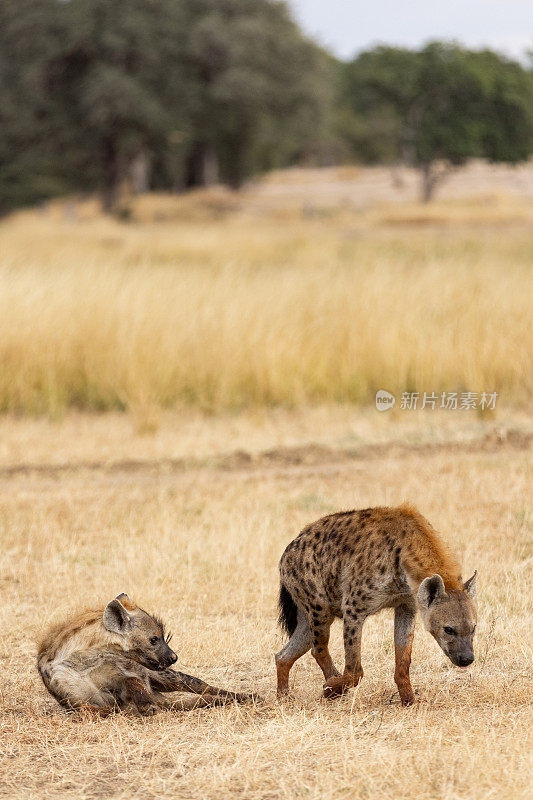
(339, 684)
(147, 708)
(251, 698)
(408, 698)
(335, 687)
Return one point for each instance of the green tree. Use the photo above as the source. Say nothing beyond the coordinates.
(436, 108)
(120, 85)
(29, 38)
(205, 89)
(261, 90)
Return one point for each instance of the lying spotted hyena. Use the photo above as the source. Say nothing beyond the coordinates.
(115, 657)
(353, 564)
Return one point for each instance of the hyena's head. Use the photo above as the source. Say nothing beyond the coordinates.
(450, 617)
(140, 635)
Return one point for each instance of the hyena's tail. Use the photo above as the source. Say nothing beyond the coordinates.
(288, 611)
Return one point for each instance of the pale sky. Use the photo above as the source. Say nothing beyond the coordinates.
(348, 26)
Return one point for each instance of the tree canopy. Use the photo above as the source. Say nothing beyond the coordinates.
(29, 39)
(177, 93)
(197, 89)
(437, 107)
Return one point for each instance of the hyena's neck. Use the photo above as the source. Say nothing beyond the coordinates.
(425, 554)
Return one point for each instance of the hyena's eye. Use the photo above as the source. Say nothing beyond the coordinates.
(450, 631)
(154, 640)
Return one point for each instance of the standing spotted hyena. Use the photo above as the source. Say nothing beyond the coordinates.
(118, 657)
(353, 564)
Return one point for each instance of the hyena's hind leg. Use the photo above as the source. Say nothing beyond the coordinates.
(353, 671)
(77, 688)
(298, 645)
(320, 624)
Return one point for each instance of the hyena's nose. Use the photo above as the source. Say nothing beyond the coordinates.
(465, 661)
(173, 658)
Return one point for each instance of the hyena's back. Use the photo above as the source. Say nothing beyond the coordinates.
(352, 553)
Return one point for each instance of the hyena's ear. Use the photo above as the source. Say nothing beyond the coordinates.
(116, 618)
(470, 585)
(431, 590)
(128, 604)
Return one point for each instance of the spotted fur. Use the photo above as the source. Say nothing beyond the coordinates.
(351, 565)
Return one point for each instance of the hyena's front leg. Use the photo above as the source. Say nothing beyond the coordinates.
(169, 680)
(353, 671)
(137, 692)
(404, 625)
(192, 702)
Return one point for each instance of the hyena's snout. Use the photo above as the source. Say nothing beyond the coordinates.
(167, 659)
(173, 658)
(462, 656)
(161, 657)
(465, 659)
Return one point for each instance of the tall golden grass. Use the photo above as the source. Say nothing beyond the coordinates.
(224, 310)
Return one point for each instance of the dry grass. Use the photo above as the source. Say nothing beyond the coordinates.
(223, 303)
(200, 546)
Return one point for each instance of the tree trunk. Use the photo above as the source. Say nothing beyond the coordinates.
(209, 166)
(203, 166)
(112, 175)
(429, 182)
(140, 172)
(433, 174)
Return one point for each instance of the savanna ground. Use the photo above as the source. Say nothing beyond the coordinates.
(219, 335)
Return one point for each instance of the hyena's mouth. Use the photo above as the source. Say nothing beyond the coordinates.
(151, 663)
